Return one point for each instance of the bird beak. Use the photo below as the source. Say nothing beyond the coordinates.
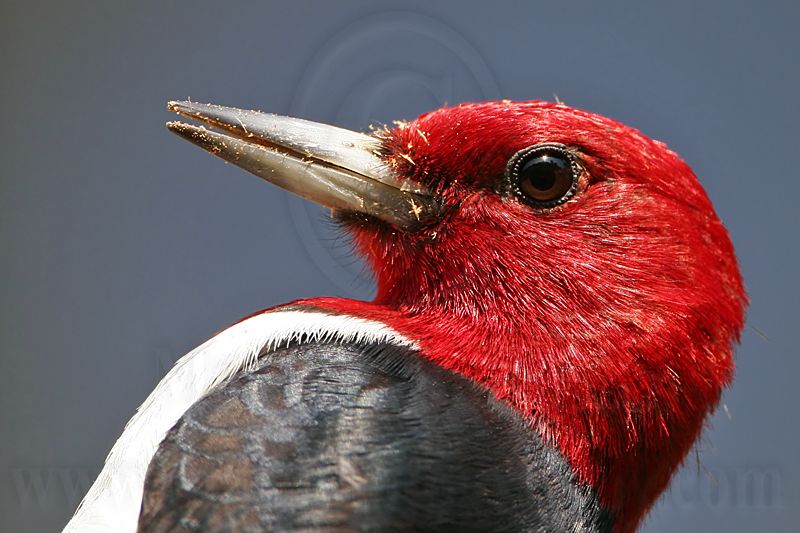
(335, 167)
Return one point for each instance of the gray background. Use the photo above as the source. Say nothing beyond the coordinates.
(123, 247)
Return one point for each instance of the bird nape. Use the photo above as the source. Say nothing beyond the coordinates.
(556, 308)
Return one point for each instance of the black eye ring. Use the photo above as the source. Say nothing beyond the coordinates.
(543, 175)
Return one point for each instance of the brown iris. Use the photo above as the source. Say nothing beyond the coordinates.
(543, 175)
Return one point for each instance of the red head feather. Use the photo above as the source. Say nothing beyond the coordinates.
(607, 321)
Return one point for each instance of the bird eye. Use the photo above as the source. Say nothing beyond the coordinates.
(543, 175)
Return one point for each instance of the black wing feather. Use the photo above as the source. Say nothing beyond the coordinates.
(325, 437)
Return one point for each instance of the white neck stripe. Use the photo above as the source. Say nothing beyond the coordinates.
(112, 503)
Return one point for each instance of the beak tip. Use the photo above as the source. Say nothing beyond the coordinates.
(188, 108)
(195, 134)
(174, 105)
(176, 127)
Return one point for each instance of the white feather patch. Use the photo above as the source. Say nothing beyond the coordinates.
(113, 502)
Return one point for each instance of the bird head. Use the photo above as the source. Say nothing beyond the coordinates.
(568, 263)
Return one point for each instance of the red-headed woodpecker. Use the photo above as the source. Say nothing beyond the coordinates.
(556, 307)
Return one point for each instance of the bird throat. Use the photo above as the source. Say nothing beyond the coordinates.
(622, 438)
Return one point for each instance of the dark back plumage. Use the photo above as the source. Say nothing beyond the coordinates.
(359, 437)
